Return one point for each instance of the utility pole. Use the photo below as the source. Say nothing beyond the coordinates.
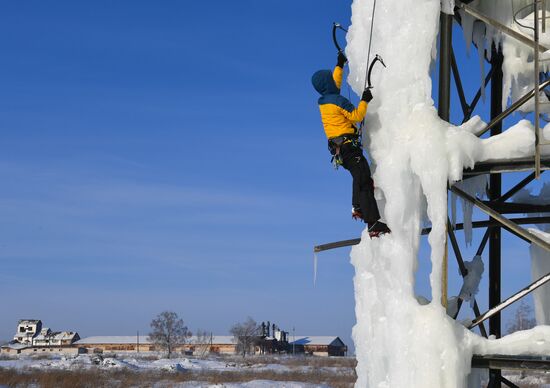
(137, 341)
(293, 341)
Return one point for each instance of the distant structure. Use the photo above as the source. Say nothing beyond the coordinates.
(272, 339)
(27, 329)
(55, 338)
(325, 346)
(216, 344)
(32, 338)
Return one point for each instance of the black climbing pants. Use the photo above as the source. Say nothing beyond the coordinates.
(363, 185)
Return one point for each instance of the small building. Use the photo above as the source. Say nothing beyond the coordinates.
(51, 338)
(318, 345)
(116, 343)
(16, 348)
(31, 337)
(13, 348)
(217, 344)
(133, 343)
(27, 329)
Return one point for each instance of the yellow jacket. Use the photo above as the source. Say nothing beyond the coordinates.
(337, 112)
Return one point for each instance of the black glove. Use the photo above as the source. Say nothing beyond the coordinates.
(341, 59)
(367, 95)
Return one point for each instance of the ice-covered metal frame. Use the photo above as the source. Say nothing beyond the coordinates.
(497, 201)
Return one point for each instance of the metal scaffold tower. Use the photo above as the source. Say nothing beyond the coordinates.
(497, 205)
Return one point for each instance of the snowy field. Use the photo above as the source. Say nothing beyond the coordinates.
(132, 370)
(129, 370)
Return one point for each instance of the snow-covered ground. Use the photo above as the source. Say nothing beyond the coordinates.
(251, 372)
(85, 361)
(155, 371)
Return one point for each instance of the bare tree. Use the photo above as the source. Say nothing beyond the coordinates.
(246, 335)
(202, 342)
(168, 331)
(522, 320)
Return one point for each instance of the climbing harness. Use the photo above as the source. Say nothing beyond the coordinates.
(336, 143)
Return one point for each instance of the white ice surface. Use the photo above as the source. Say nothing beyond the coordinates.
(540, 266)
(475, 187)
(398, 342)
(540, 258)
(518, 65)
(470, 287)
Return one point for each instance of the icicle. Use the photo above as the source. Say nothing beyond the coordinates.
(453, 210)
(314, 269)
(467, 29)
(540, 266)
(476, 187)
(470, 287)
(479, 39)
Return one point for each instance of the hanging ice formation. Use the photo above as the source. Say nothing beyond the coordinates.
(400, 343)
(540, 258)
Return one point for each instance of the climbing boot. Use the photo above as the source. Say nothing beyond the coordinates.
(377, 229)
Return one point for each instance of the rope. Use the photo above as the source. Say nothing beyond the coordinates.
(360, 130)
(370, 42)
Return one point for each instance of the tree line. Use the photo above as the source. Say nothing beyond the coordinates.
(168, 330)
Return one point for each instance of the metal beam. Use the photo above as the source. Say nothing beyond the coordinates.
(466, 110)
(510, 193)
(502, 220)
(476, 98)
(445, 45)
(515, 208)
(463, 272)
(512, 108)
(521, 362)
(514, 298)
(508, 382)
(495, 191)
(525, 39)
(475, 225)
(500, 166)
(336, 244)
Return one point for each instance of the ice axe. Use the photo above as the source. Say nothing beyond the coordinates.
(336, 26)
(377, 58)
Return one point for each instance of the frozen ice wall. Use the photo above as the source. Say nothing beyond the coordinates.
(400, 343)
(396, 339)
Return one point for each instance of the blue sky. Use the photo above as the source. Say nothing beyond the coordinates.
(169, 155)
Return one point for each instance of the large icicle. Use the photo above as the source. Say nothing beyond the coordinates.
(540, 266)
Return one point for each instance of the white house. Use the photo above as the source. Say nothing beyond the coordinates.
(27, 329)
(59, 338)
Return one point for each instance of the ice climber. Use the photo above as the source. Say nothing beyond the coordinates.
(339, 117)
